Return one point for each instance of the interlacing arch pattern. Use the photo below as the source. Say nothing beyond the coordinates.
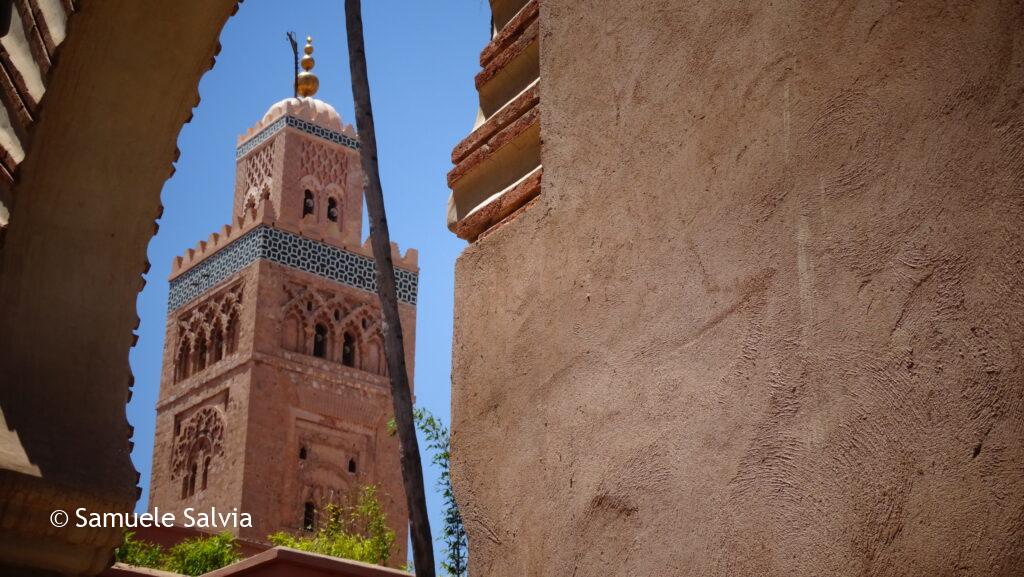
(208, 333)
(326, 164)
(333, 327)
(200, 439)
(259, 168)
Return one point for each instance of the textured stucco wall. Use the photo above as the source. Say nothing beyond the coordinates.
(766, 316)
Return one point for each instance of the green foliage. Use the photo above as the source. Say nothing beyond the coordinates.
(202, 554)
(194, 556)
(358, 532)
(453, 534)
(139, 553)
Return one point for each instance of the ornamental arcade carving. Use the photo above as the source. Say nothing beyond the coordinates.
(199, 439)
(325, 176)
(334, 327)
(207, 333)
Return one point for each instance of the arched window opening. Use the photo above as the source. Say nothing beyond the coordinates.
(231, 341)
(309, 516)
(291, 334)
(303, 452)
(320, 341)
(206, 471)
(348, 351)
(192, 479)
(309, 306)
(352, 466)
(181, 364)
(308, 206)
(337, 315)
(366, 323)
(332, 210)
(216, 343)
(371, 357)
(201, 353)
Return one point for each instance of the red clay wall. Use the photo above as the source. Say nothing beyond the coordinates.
(765, 318)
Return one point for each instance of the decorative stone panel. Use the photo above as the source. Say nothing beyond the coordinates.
(205, 428)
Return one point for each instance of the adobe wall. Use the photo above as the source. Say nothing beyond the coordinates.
(766, 317)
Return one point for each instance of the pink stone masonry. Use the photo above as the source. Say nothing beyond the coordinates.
(274, 397)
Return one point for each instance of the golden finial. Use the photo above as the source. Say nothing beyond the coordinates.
(307, 82)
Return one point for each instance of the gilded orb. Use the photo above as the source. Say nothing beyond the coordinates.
(306, 82)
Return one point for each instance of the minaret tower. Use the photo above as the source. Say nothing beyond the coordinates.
(273, 395)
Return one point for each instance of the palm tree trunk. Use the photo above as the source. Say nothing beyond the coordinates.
(394, 348)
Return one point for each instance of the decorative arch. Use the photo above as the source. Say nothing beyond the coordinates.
(296, 296)
(217, 340)
(182, 358)
(201, 349)
(322, 327)
(208, 333)
(335, 195)
(333, 209)
(313, 190)
(349, 349)
(293, 331)
(352, 328)
(373, 356)
(231, 330)
(362, 318)
(308, 204)
(200, 440)
(321, 340)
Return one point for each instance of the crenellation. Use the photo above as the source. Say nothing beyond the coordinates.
(261, 215)
(409, 261)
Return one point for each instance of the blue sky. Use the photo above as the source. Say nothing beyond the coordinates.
(422, 58)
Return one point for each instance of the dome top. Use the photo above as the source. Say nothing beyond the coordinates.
(303, 106)
(307, 108)
(310, 109)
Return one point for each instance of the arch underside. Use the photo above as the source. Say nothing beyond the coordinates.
(100, 143)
